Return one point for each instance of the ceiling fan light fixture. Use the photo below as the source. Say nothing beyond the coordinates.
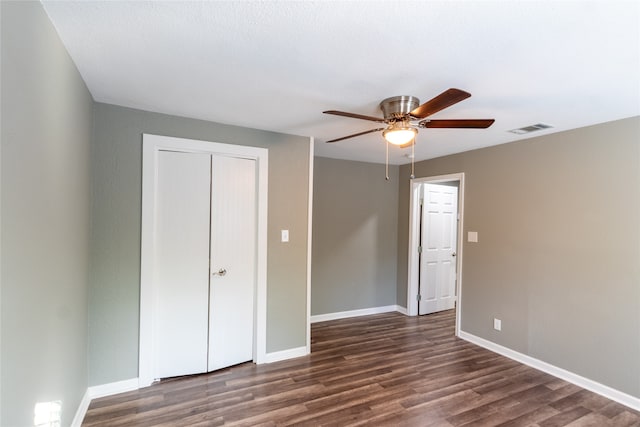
(399, 135)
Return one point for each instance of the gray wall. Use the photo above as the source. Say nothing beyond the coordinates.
(559, 247)
(46, 128)
(355, 214)
(116, 157)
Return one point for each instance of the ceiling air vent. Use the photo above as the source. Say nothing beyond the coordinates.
(529, 129)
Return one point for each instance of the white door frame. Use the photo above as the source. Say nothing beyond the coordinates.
(151, 146)
(414, 239)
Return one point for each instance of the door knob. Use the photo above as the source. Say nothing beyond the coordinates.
(220, 272)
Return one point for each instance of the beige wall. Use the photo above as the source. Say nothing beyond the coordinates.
(355, 214)
(115, 249)
(46, 128)
(559, 247)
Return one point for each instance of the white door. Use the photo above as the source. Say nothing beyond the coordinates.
(438, 248)
(205, 270)
(233, 255)
(182, 267)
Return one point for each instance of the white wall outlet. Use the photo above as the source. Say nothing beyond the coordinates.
(497, 324)
(472, 236)
(284, 235)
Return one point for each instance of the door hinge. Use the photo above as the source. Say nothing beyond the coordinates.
(421, 202)
(418, 297)
(419, 249)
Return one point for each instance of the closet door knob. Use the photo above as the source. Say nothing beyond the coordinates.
(220, 272)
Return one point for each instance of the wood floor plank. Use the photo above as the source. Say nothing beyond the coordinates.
(564, 418)
(380, 370)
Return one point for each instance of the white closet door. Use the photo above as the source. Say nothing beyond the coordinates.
(233, 255)
(182, 263)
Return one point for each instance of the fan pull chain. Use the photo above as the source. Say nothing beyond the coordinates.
(386, 172)
(413, 158)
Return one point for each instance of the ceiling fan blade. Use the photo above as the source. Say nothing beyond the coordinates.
(356, 134)
(354, 116)
(440, 102)
(458, 123)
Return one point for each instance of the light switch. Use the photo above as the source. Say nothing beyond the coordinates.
(472, 236)
(284, 235)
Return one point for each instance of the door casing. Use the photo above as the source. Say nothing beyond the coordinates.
(151, 146)
(414, 239)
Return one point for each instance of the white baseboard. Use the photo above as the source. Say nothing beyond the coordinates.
(586, 383)
(402, 310)
(82, 410)
(355, 313)
(102, 390)
(291, 353)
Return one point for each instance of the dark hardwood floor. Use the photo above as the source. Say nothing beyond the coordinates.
(380, 370)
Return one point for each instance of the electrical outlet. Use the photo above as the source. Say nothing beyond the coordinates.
(284, 236)
(497, 324)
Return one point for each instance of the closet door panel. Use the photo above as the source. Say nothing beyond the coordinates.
(233, 256)
(182, 267)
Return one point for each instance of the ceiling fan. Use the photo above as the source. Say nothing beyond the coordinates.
(404, 115)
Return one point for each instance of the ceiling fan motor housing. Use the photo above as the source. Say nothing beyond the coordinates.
(398, 107)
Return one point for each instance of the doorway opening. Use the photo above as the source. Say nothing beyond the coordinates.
(435, 264)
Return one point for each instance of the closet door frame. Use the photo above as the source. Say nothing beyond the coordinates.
(151, 146)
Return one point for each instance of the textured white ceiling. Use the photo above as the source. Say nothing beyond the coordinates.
(276, 65)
